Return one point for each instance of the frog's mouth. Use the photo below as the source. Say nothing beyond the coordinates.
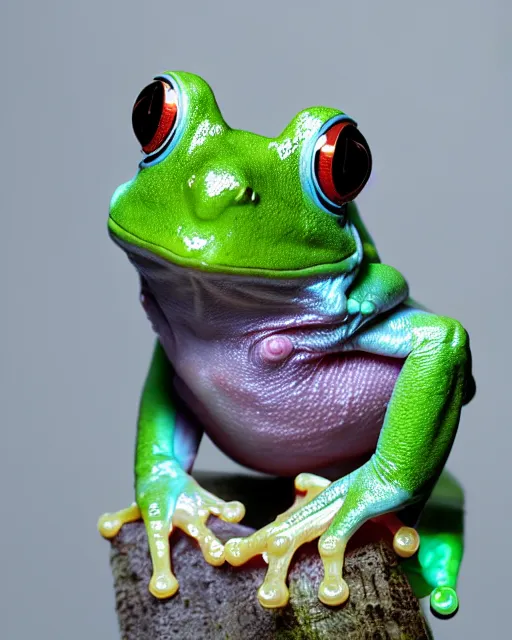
(216, 304)
(130, 242)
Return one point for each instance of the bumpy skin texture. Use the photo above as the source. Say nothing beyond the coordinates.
(283, 336)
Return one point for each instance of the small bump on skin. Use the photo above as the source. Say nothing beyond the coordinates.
(276, 348)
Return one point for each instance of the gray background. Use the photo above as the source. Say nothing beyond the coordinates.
(429, 84)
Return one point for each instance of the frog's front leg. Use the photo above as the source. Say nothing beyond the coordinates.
(378, 288)
(418, 431)
(166, 495)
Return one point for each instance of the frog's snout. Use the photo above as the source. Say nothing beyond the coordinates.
(212, 191)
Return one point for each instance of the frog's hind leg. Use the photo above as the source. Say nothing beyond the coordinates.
(418, 431)
(434, 571)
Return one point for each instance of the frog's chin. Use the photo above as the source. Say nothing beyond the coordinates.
(131, 243)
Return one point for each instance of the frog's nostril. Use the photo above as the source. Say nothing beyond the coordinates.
(246, 195)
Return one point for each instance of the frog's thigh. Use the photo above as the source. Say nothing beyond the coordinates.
(418, 430)
(424, 409)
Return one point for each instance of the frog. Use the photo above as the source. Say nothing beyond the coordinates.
(281, 334)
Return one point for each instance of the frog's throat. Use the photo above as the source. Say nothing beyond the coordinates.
(348, 265)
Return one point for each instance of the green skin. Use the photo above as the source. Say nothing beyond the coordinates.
(179, 199)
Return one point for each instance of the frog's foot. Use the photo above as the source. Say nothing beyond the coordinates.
(307, 519)
(316, 504)
(367, 497)
(333, 589)
(193, 509)
(193, 506)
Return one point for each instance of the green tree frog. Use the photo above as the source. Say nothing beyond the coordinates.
(281, 334)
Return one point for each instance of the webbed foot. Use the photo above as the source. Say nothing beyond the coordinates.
(316, 503)
(193, 506)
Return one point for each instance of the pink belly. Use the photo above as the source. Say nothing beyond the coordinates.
(298, 416)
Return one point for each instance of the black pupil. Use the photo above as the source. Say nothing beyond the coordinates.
(147, 112)
(351, 161)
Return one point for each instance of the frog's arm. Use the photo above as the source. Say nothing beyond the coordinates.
(376, 289)
(159, 439)
(166, 496)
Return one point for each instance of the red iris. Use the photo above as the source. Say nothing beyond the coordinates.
(154, 114)
(343, 163)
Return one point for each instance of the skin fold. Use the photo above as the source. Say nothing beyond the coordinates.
(282, 335)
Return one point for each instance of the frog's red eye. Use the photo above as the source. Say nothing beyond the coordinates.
(154, 115)
(343, 162)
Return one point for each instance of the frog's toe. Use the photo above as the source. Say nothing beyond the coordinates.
(110, 524)
(406, 542)
(163, 584)
(234, 553)
(211, 547)
(333, 591)
(237, 551)
(353, 306)
(368, 308)
(232, 511)
(444, 601)
(307, 519)
(310, 483)
(192, 512)
(273, 594)
(307, 487)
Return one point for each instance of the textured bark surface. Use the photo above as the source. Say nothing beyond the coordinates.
(220, 602)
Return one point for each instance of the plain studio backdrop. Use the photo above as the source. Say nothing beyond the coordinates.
(429, 84)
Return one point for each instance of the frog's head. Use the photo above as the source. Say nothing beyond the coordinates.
(217, 199)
